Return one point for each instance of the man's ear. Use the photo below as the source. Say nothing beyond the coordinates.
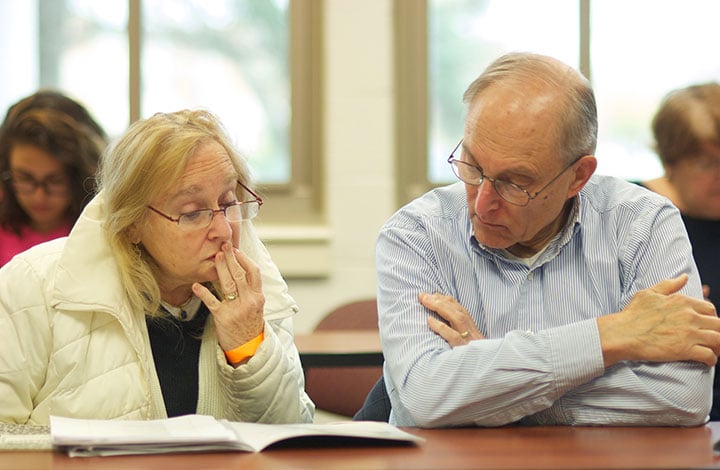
(584, 169)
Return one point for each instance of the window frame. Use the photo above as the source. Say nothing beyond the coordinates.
(411, 99)
(300, 201)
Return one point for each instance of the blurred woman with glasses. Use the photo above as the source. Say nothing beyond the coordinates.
(162, 301)
(49, 150)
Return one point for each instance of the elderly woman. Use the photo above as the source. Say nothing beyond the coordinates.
(161, 302)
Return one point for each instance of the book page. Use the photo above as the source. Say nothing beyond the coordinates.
(260, 436)
(198, 433)
(196, 429)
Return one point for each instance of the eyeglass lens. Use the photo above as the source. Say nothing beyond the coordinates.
(233, 213)
(470, 174)
(26, 184)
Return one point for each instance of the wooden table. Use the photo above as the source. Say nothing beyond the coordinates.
(330, 348)
(473, 448)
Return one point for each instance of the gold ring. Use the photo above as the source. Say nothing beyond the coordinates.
(231, 296)
(465, 334)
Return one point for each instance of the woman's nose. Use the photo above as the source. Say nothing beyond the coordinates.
(220, 226)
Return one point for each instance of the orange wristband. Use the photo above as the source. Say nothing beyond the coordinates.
(244, 351)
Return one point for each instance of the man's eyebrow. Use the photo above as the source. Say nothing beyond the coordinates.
(514, 172)
(466, 151)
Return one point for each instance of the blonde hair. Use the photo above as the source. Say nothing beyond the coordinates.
(144, 163)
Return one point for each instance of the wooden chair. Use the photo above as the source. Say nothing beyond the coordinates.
(342, 390)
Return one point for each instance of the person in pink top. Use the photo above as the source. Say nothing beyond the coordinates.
(50, 146)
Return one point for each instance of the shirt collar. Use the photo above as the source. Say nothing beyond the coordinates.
(184, 312)
(553, 247)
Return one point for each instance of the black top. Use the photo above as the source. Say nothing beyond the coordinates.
(176, 351)
(705, 239)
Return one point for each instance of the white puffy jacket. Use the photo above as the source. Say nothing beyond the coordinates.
(69, 346)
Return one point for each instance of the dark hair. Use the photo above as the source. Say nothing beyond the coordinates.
(62, 127)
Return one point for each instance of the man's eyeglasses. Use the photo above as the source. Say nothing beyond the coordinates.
(510, 192)
(235, 211)
(24, 184)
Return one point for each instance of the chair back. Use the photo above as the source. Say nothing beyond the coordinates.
(356, 315)
(342, 390)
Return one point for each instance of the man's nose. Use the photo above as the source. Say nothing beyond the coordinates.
(486, 197)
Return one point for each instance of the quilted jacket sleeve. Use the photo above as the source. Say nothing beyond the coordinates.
(25, 336)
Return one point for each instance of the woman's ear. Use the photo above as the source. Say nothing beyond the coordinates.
(584, 169)
(133, 233)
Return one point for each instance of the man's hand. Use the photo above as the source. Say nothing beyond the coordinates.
(660, 325)
(459, 329)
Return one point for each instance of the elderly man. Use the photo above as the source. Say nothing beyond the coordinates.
(534, 291)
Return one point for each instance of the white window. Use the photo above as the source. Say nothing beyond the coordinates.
(127, 59)
(633, 51)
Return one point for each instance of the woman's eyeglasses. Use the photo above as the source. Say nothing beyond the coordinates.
(235, 211)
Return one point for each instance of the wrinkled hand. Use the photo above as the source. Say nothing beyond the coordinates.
(661, 325)
(239, 317)
(459, 329)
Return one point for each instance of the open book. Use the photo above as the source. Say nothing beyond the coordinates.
(200, 433)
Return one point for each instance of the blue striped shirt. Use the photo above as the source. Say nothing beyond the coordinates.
(541, 361)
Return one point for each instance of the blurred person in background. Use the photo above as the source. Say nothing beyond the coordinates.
(49, 151)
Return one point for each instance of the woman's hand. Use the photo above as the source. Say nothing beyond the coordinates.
(239, 315)
(458, 328)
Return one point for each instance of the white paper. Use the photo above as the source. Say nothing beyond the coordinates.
(259, 436)
(196, 429)
(196, 433)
